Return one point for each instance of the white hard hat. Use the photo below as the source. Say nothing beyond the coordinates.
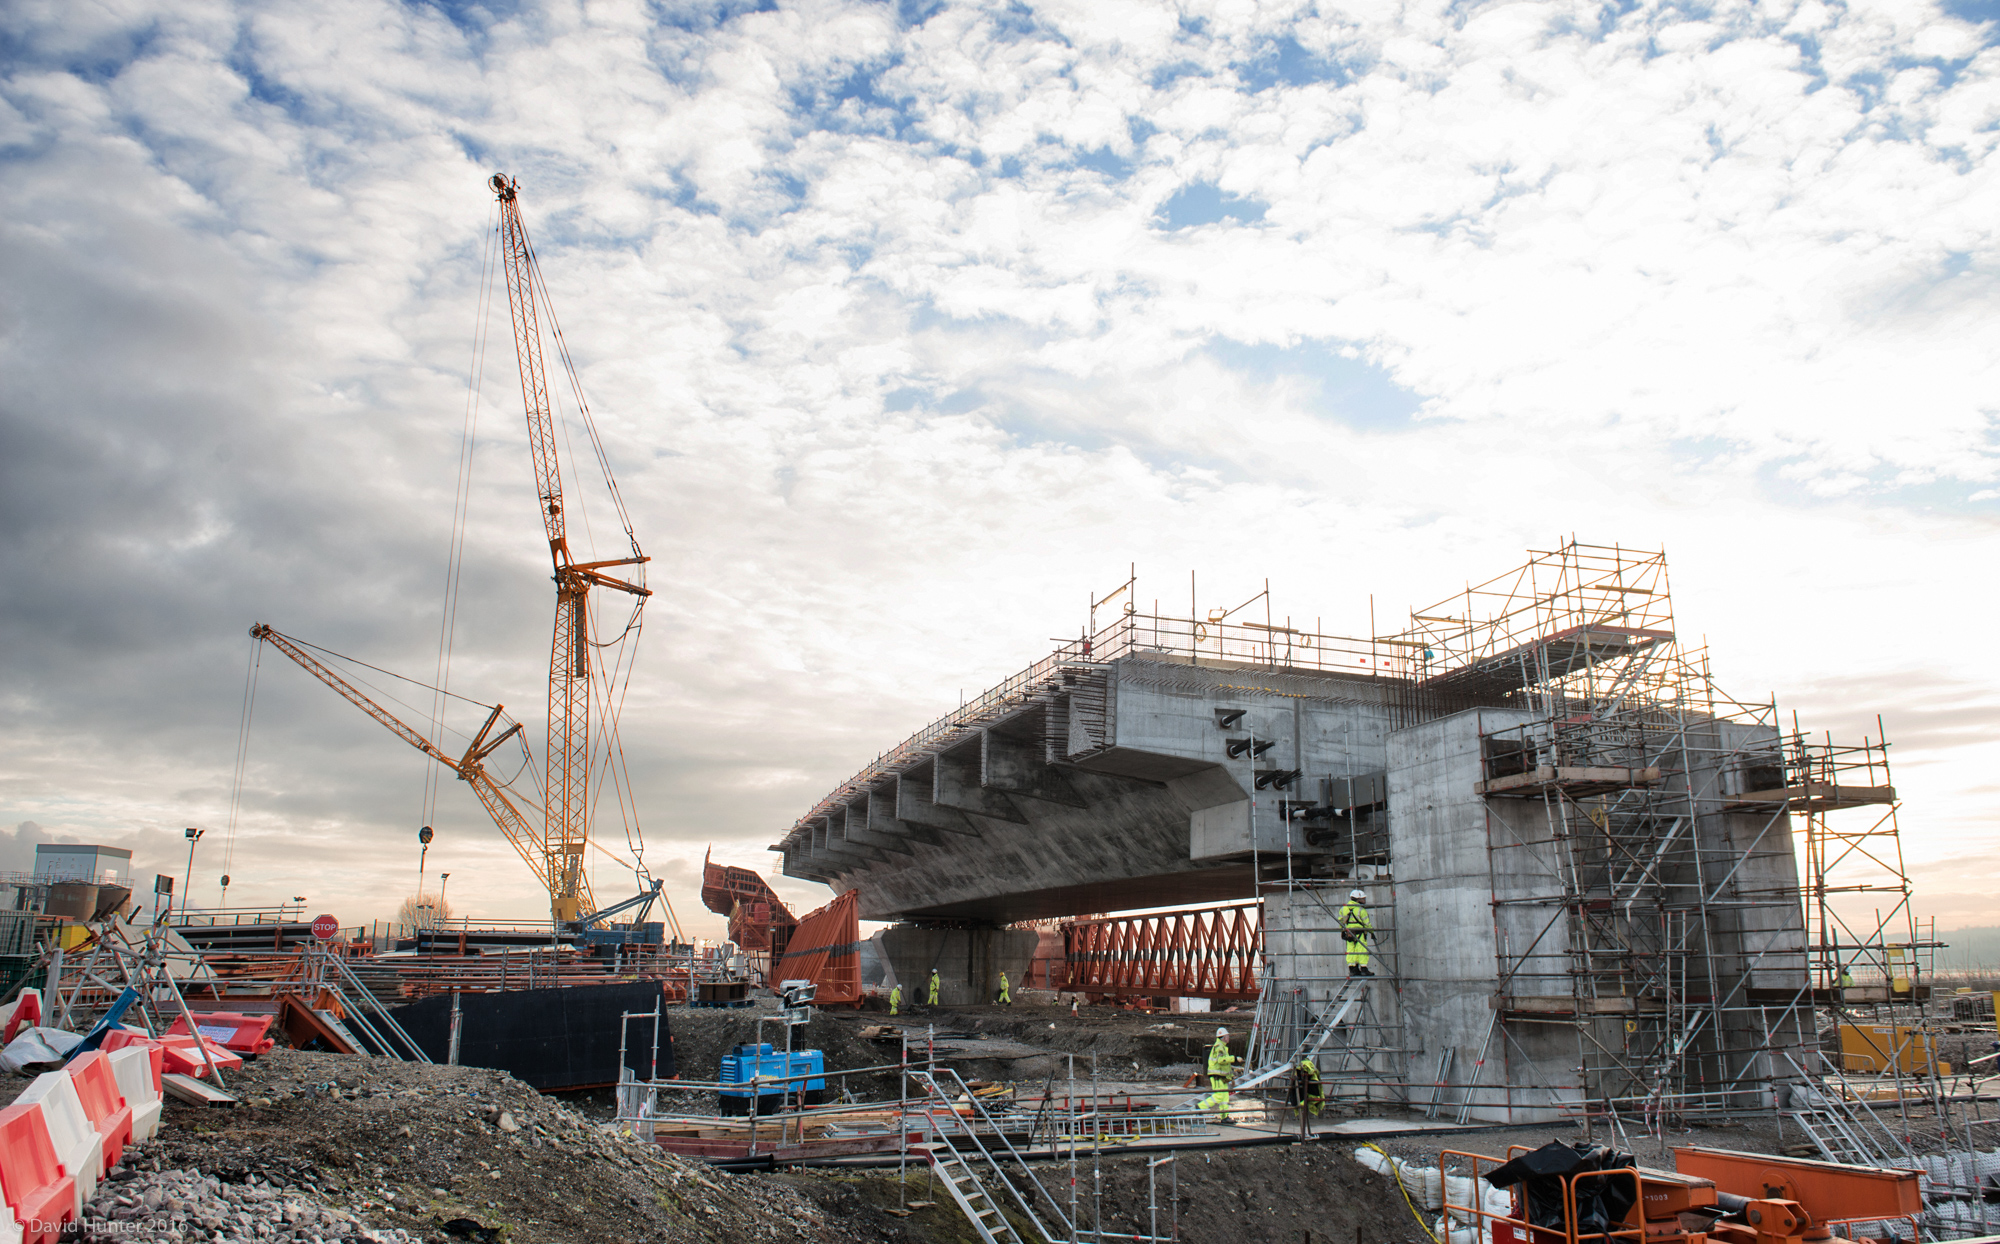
(1358, 894)
(1222, 1032)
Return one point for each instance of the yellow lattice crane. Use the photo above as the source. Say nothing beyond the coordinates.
(565, 793)
(555, 848)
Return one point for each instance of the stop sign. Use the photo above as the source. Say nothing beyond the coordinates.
(324, 927)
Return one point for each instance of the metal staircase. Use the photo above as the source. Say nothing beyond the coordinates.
(977, 1203)
(961, 1171)
(1846, 1131)
(1339, 1010)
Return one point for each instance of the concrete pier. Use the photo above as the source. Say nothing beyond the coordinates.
(968, 961)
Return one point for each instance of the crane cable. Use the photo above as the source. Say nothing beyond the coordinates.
(576, 391)
(341, 656)
(615, 769)
(455, 559)
(254, 666)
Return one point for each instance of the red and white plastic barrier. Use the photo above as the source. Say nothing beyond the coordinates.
(69, 1128)
(26, 1009)
(248, 1035)
(138, 1072)
(97, 1087)
(40, 1194)
(178, 1053)
(78, 1146)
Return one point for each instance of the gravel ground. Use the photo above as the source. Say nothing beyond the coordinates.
(141, 1204)
(368, 1149)
(328, 1148)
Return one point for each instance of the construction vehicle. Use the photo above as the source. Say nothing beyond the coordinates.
(1572, 1193)
(595, 929)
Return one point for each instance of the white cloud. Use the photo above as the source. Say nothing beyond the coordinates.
(897, 363)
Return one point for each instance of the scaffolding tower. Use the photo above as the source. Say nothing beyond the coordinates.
(1645, 893)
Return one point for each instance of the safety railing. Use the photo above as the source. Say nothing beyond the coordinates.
(1520, 1228)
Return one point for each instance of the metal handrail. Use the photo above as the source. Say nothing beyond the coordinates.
(367, 1025)
(930, 1078)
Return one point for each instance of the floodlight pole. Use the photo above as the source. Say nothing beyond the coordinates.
(187, 878)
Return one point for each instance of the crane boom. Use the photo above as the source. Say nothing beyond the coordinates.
(565, 792)
(470, 767)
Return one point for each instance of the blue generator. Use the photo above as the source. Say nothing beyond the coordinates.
(744, 1063)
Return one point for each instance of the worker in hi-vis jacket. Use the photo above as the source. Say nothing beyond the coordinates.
(1221, 1070)
(1355, 929)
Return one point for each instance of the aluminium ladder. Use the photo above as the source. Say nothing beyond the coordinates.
(965, 1187)
(962, 1178)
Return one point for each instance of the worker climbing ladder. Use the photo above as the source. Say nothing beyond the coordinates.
(944, 1093)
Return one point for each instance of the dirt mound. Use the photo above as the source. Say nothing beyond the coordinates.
(1283, 1194)
(1279, 1193)
(414, 1146)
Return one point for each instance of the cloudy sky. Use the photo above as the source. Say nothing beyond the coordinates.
(909, 326)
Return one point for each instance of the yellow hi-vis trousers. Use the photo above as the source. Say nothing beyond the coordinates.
(1218, 1097)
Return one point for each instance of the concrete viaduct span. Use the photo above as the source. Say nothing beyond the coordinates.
(1577, 851)
(1160, 764)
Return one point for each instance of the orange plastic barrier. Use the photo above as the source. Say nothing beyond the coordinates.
(247, 1035)
(41, 1196)
(181, 1054)
(97, 1086)
(28, 1011)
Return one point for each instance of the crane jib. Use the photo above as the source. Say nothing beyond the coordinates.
(469, 768)
(565, 790)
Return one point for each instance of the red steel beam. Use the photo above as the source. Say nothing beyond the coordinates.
(1204, 953)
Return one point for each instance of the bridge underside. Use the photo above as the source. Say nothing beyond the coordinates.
(1206, 885)
(1109, 787)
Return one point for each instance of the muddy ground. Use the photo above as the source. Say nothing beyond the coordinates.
(352, 1149)
(368, 1149)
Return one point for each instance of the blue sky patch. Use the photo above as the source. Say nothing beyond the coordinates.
(1354, 391)
(1204, 203)
(1285, 61)
(1974, 11)
(1105, 161)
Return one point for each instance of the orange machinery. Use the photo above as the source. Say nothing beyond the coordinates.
(1717, 1196)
